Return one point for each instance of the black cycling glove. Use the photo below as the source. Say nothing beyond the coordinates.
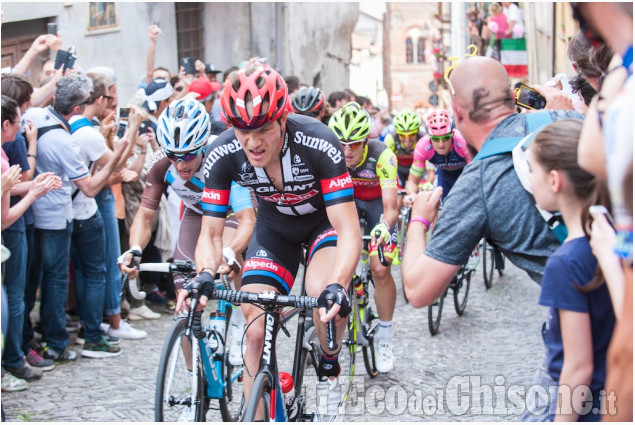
(337, 294)
(205, 282)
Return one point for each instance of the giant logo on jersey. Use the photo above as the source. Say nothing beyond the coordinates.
(320, 145)
(289, 198)
(218, 152)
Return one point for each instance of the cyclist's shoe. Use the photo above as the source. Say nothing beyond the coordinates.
(236, 345)
(26, 372)
(11, 384)
(65, 356)
(126, 331)
(385, 357)
(35, 360)
(100, 349)
(142, 313)
(328, 398)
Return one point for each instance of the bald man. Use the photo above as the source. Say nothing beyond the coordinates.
(487, 200)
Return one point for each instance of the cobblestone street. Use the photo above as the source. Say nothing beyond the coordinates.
(485, 358)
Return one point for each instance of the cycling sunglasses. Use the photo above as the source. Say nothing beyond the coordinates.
(354, 145)
(185, 156)
(441, 138)
(256, 122)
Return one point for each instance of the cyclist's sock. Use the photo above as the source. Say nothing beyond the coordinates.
(384, 332)
(329, 366)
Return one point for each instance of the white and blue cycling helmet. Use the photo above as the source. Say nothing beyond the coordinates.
(183, 126)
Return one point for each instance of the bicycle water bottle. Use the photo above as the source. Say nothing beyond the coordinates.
(288, 393)
(217, 322)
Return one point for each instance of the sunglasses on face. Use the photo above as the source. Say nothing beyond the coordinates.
(354, 145)
(184, 157)
(441, 138)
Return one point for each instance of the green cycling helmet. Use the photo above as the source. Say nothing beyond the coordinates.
(407, 122)
(350, 122)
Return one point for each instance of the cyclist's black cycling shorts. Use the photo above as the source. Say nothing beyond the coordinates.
(275, 249)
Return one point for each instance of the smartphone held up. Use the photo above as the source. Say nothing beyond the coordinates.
(526, 97)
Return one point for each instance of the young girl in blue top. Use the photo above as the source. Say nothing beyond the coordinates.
(581, 320)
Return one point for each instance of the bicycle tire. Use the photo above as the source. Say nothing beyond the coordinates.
(173, 395)
(461, 290)
(434, 314)
(370, 323)
(488, 264)
(233, 401)
(348, 351)
(309, 359)
(260, 393)
(402, 244)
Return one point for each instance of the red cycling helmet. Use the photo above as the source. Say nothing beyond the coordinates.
(439, 123)
(256, 84)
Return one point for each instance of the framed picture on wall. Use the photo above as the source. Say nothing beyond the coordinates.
(102, 17)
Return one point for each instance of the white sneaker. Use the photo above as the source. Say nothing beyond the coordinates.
(328, 398)
(142, 313)
(385, 358)
(237, 346)
(126, 331)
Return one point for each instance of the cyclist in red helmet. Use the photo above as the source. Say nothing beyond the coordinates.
(444, 147)
(296, 167)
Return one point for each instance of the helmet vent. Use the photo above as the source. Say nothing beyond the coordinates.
(177, 137)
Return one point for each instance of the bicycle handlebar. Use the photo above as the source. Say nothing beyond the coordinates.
(272, 299)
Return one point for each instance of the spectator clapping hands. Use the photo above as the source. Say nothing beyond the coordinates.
(10, 178)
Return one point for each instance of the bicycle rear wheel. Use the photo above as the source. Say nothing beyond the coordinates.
(434, 314)
(370, 323)
(233, 401)
(260, 396)
(461, 290)
(487, 253)
(180, 394)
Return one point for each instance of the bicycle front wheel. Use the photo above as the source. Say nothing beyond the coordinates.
(260, 397)
(233, 401)
(349, 348)
(461, 291)
(434, 314)
(180, 388)
(487, 253)
(370, 323)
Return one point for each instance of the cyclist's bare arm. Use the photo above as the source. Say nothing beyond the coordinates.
(345, 220)
(246, 220)
(390, 202)
(424, 278)
(140, 234)
(208, 254)
(412, 187)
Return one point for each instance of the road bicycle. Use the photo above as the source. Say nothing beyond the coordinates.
(363, 322)
(492, 258)
(194, 371)
(460, 286)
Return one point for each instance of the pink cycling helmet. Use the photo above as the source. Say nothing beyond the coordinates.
(439, 123)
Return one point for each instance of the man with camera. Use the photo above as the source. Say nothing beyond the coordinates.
(487, 200)
(53, 213)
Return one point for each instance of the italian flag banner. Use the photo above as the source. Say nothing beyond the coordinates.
(514, 56)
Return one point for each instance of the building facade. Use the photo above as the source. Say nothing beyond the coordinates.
(303, 39)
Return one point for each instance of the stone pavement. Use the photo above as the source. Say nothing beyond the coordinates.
(478, 368)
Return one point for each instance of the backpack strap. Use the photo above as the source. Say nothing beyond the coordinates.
(43, 130)
(82, 122)
(533, 121)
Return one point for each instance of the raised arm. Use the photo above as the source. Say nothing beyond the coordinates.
(424, 278)
(153, 33)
